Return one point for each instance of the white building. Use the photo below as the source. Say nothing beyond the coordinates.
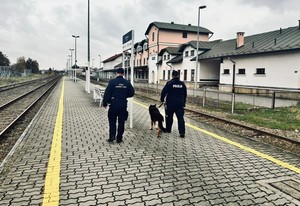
(268, 60)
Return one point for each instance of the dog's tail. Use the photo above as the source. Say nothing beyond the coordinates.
(162, 127)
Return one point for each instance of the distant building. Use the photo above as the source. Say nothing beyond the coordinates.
(161, 35)
(266, 60)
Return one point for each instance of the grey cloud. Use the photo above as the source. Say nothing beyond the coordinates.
(275, 5)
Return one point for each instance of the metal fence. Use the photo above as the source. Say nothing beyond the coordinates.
(231, 102)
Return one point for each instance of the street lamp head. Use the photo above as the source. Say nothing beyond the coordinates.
(202, 7)
(75, 36)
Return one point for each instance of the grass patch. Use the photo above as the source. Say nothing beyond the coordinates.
(279, 118)
(13, 80)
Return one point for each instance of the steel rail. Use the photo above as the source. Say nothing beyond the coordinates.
(294, 141)
(54, 81)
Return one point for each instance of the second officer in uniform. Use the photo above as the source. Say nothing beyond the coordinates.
(115, 95)
(175, 93)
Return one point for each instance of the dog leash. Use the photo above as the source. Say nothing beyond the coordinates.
(160, 104)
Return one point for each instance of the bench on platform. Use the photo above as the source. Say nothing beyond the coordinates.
(98, 95)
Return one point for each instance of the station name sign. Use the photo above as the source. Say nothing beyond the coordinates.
(127, 41)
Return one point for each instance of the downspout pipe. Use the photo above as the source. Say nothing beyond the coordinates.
(233, 75)
(147, 57)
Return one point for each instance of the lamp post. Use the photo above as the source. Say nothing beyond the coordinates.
(87, 73)
(99, 61)
(75, 55)
(197, 49)
(71, 59)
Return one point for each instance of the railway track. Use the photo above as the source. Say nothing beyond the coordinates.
(14, 106)
(258, 134)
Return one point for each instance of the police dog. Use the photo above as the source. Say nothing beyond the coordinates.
(156, 117)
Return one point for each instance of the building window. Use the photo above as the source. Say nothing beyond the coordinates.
(242, 71)
(144, 61)
(192, 52)
(169, 74)
(186, 54)
(260, 71)
(192, 75)
(145, 46)
(165, 57)
(168, 56)
(153, 58)
(184, 34)
(185, 75)
(226, 71)
(152, 36)
(164, 74)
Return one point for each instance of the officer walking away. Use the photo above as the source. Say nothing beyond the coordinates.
(175, 93)
(115, 95)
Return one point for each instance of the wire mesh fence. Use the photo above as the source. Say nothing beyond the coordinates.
(232, 102)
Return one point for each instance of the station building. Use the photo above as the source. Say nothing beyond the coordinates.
(269, 60)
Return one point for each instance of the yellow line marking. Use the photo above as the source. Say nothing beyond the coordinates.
(248, 149)
(52, 180)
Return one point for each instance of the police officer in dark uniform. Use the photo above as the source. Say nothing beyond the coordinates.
(175, 93)
(115, 95)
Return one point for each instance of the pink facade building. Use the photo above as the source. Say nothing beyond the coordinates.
(161, 35)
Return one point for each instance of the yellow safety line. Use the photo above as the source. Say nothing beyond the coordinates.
(51, 191)
(248, 149)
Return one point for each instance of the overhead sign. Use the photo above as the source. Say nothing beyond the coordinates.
(127, 40)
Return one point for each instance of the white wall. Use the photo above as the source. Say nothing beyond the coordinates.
(209, 70)
(187, 64)
(281, 71)
(112, 64)
(152, 69)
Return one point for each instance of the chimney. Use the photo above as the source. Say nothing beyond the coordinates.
(299, 24)
(240, 40)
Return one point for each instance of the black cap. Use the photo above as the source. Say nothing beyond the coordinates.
(175, 73)
(120, 70)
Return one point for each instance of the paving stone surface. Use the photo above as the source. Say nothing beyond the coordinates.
(143, 170)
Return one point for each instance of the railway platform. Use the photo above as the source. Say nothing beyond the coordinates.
(63, 158)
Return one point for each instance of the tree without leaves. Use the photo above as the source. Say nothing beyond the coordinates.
(20, 65)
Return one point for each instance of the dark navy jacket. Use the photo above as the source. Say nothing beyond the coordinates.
(117, 92)
(175, 92)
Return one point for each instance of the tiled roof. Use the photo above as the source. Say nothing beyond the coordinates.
(177, 27)
(170, 50)
(273, 41)
(203, 45)
(176, 59)
(112, 58)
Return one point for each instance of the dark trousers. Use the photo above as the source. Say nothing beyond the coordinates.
(179, 112)
(117, 113)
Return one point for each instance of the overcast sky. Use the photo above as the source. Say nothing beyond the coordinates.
(43, 29)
